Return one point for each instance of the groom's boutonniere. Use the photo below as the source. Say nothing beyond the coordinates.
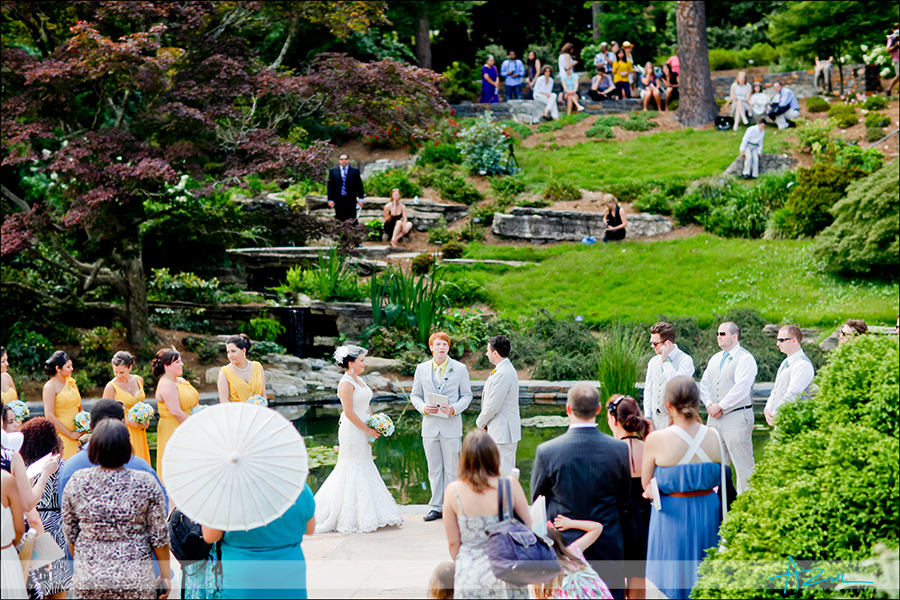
(493, 371)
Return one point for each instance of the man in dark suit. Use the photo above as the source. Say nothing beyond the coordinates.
(584, 474)
(345, 189)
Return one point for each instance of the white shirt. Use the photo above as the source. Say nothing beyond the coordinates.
(580, 425)
(685, 368)
(759, 102)
(543, 87)
(744, 376)
(753, 135)
(801, 375)
(564, 61)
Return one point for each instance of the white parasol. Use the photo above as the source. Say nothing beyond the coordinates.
(235, 466)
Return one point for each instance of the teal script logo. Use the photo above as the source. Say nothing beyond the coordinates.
(814, 580)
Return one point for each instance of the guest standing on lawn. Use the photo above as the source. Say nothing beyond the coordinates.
(345, 189)
(489, 82)
(128, 389)
(622, 70)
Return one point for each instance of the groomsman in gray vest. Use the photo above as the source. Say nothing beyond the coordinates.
(441, 392)
(500, 403)
(669, 362)
(795, 374)
(726, 390)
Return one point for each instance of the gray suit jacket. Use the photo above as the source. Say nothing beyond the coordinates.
(455, 385)
(500, 405)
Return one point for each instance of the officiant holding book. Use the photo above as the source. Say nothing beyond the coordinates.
(441, 392)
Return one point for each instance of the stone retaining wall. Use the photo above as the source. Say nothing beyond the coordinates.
(422, 215)
(802, 83)
(768, 163)
(556, 225)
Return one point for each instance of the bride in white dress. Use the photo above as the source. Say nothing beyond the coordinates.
(354, 497)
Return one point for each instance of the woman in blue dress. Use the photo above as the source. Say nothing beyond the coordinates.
(267, 562)
(489, 82)
(684, 460)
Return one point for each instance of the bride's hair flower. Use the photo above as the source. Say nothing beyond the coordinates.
(348, 351)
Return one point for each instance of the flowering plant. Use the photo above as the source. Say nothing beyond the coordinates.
(382, 424)
(83, 422)
(141, 413)
(483, 145)
(20, 409)
(257, 399)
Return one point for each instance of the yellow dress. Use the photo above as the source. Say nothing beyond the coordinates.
(9, 395)
(188, 398)
(238, 389)
(139, 446)
(67, 405)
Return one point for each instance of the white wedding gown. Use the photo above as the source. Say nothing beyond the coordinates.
(354, 497)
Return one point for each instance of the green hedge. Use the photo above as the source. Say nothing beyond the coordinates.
(827, 486)
(814, 104)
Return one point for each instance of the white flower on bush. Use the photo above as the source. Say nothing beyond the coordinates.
(483, 145)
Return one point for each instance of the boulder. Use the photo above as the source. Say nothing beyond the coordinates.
(377, 382)
(327, 378)
(290, 363)
(212, 374)
(318, 364)
(527, 112)
(284, 384)
(373, 363)
(562, 225)
(385, 164)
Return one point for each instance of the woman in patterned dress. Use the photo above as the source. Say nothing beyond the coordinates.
(40, 440)
(470, 507)
(115, 522)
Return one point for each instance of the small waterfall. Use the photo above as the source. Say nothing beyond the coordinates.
(297, 344)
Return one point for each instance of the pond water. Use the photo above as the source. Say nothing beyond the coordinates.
(401, 459)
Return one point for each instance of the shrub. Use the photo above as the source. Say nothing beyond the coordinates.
(389, 342)
(507, 187)
(483, 146)
(348, 235)
(439, 233)
(422, 263)
(656, 202)
(464, 291)
(533, 203)
(692, 208)
(844, 115)
(517, 129)
(873, 134)
(98, 342)
(184, 287)
(629, 191)
(558, 190)
(260, 349)
(484, 213)
(639, 121)
(815, 136)
(471, 233)
(867, 160)
(739, 216)
(811, 199)
(461, 83)
(572, 119)
(452, 249)
(440, 154)
(265, 329)
(760, 54)
(814, 104)
(380, 184)
(181, 319)
(875, 102)
(609, 121)
(850, 424)
(206, 350)
(863, 238)
(721, 59)
(599, 130)
(28, 350)
(497, 51)
(465, 193)
(375, 229)
(874, 119)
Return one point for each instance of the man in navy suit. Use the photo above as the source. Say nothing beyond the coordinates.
(584, 474)
(345, 189)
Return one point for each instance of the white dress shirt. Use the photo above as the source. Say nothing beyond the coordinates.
(801, 373)
(753, 135)
(744, 376)
(678, 364)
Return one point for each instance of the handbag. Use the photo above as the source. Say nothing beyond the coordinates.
(517, 554)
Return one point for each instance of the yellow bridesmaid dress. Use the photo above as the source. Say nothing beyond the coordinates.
(188, 398)
(9, 395)
(67, 405)
(139, 446)
(238, 389)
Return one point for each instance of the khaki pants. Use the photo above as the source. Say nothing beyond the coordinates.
(442, 455)
(507, 458)
(736, 431)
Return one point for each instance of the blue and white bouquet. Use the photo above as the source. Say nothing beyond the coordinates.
(83, 422)
(257, 399)
(382, 424)
(197, 409)
(20, 409)
(141, 413)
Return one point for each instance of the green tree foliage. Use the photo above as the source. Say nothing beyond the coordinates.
(809, 203)
(827, 486)
(864, 237)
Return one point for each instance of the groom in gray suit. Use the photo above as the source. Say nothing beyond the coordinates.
(441, 423)
(500, 403)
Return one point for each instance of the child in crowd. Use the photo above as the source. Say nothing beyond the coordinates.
(441, 585)
(577, 579)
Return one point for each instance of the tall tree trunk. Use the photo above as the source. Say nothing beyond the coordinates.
(423, 42)
(596, 9)
(137, 308)
(697, 104)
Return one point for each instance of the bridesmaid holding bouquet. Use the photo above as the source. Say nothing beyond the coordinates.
(175, 398)
(62, 400)
(240, 378)
(128, 389)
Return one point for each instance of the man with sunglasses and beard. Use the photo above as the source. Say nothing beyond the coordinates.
(726, 390)
(668, 363)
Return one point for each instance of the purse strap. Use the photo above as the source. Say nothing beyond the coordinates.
(504, 488)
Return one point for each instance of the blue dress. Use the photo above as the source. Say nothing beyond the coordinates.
(267, 562)
(683, 529)
(489, 92)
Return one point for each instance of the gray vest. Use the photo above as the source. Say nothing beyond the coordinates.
(658, 380)
(783, 379)
(721, 381)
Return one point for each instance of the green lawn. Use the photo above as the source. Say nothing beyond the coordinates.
(704, 277)
(686, 154)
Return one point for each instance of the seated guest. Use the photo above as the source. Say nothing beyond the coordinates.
(543, 92)
(784, 107)
(759, 102)
(739, 99)
(396, 224)
(650, 87)
(570, 90)
(602, 86)
(115, 522)
(616, 221)
(671, 81)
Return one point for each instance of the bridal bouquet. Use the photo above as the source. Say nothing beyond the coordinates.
(20, 410)
(141, 413)
(83, 422)
(257, 399)
(382, 424)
